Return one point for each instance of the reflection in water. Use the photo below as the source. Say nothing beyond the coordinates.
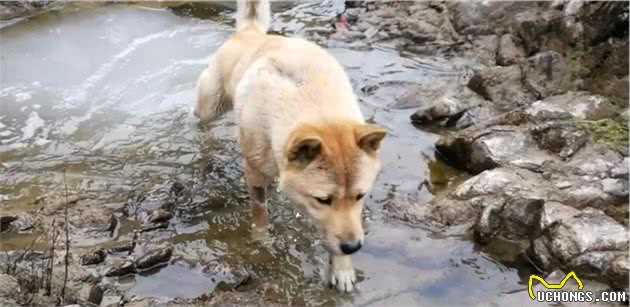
(105, 94)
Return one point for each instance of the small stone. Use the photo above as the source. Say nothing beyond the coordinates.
(121, 268)
(563, 185)
(90, 294)
(508, 53)
(154, 258)
(160, 215)
(111, 301)
(93, 257)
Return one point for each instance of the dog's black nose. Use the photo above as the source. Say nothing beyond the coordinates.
(349, 247)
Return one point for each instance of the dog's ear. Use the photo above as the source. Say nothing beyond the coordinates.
(304, 149)
(369, 137)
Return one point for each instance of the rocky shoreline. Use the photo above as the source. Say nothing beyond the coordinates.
(540, 123)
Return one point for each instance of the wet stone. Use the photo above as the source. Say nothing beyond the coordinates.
(93, 257)
(157, 226)
(121, 268)
(155, 257)
(90, 293)
(160, 216)
(5, 221)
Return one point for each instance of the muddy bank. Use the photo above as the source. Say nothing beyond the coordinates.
(541, 123)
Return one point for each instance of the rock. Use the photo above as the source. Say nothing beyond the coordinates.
(17, 223)
(563, 185)
(586, 195)
(564, 139)
(5, 222)
(152, 227)
(589, 231)
(15, 9)
(485, 149)
(93, 257)
(595, 161)
(111, 301)
(10, 286)
(159, 216)
(580, 105)
(448, 106)
(554, 212)
(484, 47)
(532, 27)
(508, 53)
(154, 258)
(483, 18)
(616, 187)
(90, 293)
(547, 74)
(499, 181)
(621, 171)
(474, 116)
(228, 278)
(514, 219)
(121, 268)
(617, 272)
(501, 85)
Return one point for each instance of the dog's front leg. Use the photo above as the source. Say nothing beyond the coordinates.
(341, 273)
(257, 188)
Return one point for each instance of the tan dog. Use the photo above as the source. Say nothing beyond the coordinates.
(298, 120)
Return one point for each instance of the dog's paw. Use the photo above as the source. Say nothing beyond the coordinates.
(343, 280)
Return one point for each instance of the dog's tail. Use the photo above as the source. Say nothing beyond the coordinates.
(255, 13)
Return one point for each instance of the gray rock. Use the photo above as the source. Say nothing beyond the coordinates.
(586, 195)
(509, 53)
(154, 258)
(502, 85)
(485, 149)
(564, 139)
(617, 272)
(531, 27)
(499, 181)
(121, 268)
(514, 219)
(580, 105)
(90, 293)
(547, 74)
(5, 222)
(621, 171)
(111, 301)
(554, 212)
(589, 231)
(447, 106)
(10, 286)
(475, 116)
(616, 187)
(160, 215)
(483, 18)
(229, 278)
(93, 257)
(15, 9)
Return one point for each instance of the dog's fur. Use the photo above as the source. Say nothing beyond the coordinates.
(298, 120)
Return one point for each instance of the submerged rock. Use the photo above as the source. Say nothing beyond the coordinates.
(121, 268)
(154, 258)
(93, 257)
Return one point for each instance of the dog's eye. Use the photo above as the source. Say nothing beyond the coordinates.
(324, 201)
(360, 196)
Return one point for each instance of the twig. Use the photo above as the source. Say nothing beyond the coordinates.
(65, 274)
(51, 260)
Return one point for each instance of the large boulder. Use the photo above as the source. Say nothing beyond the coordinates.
(579, 105)
(502, 86)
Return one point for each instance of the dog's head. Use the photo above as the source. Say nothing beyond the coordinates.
(329, 169)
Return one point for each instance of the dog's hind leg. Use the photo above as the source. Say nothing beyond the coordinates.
(211, 98)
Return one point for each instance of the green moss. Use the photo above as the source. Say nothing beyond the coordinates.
(609, 132)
